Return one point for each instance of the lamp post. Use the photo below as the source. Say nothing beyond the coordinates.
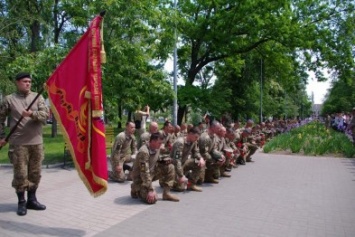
(261, 90)
(175, 74)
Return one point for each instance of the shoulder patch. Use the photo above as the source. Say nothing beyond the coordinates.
(142, 167)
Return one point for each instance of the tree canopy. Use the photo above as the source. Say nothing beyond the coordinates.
(248, 58)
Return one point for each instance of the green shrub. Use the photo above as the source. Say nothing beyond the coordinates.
(312, 139)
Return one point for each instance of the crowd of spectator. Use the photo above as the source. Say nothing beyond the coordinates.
(342, 122)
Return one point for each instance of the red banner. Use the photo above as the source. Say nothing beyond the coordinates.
(75, 93)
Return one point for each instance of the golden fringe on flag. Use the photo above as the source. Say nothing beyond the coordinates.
(75, 93)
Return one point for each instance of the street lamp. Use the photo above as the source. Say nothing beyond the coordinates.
(175, 74)
(261, 90)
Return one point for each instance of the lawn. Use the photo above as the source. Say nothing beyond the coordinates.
(53, 147)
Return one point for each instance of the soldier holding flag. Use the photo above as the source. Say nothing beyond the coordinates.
(28, 113)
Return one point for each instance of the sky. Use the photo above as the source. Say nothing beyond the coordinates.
(318, 88)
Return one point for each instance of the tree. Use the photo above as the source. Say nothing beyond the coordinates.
(210, 31)
(340, 98)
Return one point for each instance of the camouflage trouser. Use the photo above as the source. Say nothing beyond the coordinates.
(194, 171)
(226, 164)
(212, 171)
(119, 176)
(252, 148)
(165, 173)
(27, 162)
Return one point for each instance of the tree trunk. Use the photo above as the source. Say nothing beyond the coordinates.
(180, 114)
(54, 127)
(35, 37)
(119, 124)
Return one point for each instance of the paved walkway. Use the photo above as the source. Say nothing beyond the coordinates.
(278, 195)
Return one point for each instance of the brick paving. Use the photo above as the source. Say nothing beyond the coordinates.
(278, 195)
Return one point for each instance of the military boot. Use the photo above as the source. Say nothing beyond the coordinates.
(212, 181)
(224, 174)
(32, 202)
(21, 208)
(134, 194)
(168, 196)
(193, 187)
(248, 159)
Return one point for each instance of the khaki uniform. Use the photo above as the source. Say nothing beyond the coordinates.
(26, 143)
(166, 145)
(144, 139)
(147, 168)
(222, 147)
(123, 149)
(238, 134)
(186, 156)
(209, 151)
(249, 141)
(236, 153)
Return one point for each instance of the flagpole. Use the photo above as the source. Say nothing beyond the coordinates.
(13, 129)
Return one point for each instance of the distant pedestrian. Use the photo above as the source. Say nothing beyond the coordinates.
(352, 125)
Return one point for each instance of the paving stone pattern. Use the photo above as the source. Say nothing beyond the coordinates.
(277, 195)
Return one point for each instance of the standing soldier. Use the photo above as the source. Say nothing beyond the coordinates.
(148, 168)
(124, 147)
(26, 143)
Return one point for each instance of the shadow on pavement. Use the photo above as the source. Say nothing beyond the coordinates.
(8, 207)
(127, 200)
(25, 228)
(349, 162)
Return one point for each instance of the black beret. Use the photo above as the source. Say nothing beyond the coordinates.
(21, 75)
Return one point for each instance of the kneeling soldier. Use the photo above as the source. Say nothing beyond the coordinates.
(148, 168)
(188, 161)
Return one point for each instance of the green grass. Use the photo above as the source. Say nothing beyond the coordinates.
(312, 139)
(53, 147)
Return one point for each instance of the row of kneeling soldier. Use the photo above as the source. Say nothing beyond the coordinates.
(181, 158)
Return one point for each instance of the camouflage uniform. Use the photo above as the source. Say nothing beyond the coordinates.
(208, 149)
(148, 168)
(222, 147)
(123, 149)
(26, 143)
(186, 157)
(144, 139)
(235, 154)
(248, 140)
